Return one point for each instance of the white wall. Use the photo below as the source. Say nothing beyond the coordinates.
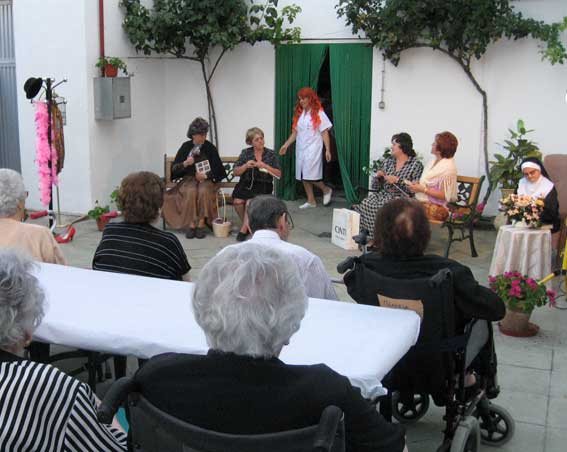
(48, 45)
(425, 94)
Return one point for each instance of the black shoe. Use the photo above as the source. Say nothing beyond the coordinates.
(200, 233)
(190, 233)
(241, 236)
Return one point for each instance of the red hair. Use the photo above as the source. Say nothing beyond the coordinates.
(446, 144)
(314, 107)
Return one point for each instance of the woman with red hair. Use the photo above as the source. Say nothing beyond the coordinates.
(438, 183)
(311, 129)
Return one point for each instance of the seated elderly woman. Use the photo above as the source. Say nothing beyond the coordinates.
(438, 183)
(34, 239)
(536, 183)
(402, 233)
(192, 201)
(257, 166)
(135, 246)
(250, 300)
(41, 408)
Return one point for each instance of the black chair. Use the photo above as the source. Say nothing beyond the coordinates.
(436, 366)
(154, 430)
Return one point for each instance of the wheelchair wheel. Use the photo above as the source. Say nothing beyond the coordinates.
(497, 427)
(467, 436)
(408, 411)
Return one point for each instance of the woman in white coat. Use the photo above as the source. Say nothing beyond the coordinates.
(311, 130)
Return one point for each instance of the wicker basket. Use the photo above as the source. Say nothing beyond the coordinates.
(221, 227)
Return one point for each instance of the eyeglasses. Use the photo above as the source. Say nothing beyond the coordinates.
(288, 220)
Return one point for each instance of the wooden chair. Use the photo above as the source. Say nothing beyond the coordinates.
(229, 183)
(556, 166)
(463, 212)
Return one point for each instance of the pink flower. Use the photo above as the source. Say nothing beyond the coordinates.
(551, 294)
(480, 208)
(491, 279)
(531, 283)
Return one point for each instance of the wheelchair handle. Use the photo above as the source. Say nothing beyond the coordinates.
(347, 264)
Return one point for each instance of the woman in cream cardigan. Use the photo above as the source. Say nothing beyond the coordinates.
(438, 183)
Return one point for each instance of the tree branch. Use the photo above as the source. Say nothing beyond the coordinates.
(216, 64)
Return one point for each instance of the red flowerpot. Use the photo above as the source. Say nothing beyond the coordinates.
(110, 70)
(102, 221)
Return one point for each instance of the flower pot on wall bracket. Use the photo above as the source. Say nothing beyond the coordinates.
(110, 70)
(516, 323)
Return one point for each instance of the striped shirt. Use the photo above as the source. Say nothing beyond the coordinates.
(140, 249)
(42, 409)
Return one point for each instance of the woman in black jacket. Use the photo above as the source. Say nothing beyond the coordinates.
(199, 169)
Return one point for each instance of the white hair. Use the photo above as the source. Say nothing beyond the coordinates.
(12, 191)
(21, 298)
(249, 299)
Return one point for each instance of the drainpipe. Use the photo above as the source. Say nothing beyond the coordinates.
(101, 32)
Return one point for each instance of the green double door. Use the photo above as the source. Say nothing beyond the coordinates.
(350, 69)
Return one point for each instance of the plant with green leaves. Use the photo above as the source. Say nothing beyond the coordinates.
(505, 170)
(112, 61)
(98, 211)
(460, 29)
(206, 25)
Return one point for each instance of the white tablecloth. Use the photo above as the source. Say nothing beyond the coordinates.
(132, 315)
(527, 251)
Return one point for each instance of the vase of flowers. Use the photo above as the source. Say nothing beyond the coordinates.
(521, 294)
(523, 210)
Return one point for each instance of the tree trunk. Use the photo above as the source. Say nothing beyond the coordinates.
(210, 106)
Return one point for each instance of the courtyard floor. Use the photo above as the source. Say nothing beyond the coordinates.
(532, 371)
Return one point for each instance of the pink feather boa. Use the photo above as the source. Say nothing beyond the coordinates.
(47, 175)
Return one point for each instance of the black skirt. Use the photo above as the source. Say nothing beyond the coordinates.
(243, 190)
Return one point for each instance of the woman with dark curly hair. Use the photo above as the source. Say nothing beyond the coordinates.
(198, 169)
(402, 233)
(135, 246)
(438, 183)
(402, 166)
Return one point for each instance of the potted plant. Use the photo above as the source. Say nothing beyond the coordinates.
(102, 214)
(111, 65)
(521, 294)
(505, 170)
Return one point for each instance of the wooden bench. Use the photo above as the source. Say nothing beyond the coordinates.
(229, 183)
(463, 214)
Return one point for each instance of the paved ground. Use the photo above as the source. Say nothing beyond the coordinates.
(532, 372)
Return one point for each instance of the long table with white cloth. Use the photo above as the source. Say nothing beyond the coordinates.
(142, 317)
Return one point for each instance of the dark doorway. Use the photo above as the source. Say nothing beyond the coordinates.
(331, 170)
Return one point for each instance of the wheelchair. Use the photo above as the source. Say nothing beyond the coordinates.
(436, 367)
(153, 430)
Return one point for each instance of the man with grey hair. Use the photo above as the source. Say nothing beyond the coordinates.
(249, 301)
(34, 239)
(271, 224)
(41, 408)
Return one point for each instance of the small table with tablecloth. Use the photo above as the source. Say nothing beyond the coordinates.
(138, 316)
(524, 250)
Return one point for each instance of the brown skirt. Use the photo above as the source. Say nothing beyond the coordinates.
(189, 201)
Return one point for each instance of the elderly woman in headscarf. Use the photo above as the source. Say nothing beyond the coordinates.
(34, 239)
(199, 170)
(536, 184)
(41, 408)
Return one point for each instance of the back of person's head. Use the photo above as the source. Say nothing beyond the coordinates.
(401, 229)
(264, 211)
(12, 192)
(140, 197)
(249, 300)
(21, 299)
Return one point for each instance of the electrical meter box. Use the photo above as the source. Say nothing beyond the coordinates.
(112, 98)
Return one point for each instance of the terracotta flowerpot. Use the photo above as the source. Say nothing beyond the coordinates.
(102, 221)
(517, 324)
(110, 70)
